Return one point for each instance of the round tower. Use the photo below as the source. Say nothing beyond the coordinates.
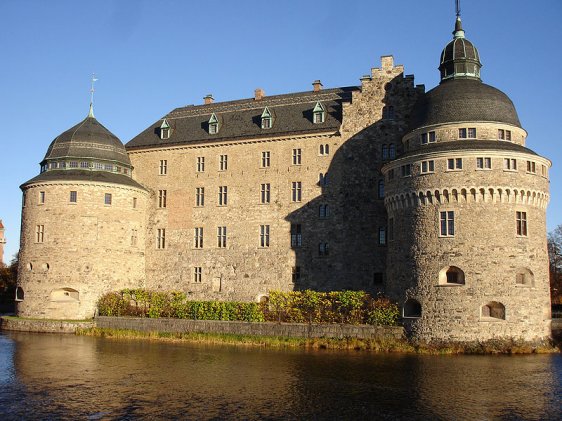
(466, 203)
(82, 225)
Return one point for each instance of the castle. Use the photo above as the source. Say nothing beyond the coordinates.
(429, 197)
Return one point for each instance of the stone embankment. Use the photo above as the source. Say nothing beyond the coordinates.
(43, 326)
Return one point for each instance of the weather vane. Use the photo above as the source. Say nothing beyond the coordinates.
(92, 90)
(458, 7)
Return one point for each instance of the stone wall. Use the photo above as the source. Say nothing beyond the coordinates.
(297, 330)
(42, 326)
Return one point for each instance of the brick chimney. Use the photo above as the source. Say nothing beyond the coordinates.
(259, 94)
(208, 99)
(317, 85)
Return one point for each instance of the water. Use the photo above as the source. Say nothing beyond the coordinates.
(69, 377)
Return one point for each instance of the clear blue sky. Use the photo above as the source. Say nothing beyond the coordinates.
(152, 56)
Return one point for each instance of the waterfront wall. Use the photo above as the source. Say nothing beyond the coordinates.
(296, 330)
(43, 326)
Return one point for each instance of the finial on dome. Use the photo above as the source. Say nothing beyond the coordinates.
(458, 32)
(92, 90)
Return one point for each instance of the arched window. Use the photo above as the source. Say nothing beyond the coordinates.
(493, 310)
(19, 294)
(451, 275)
(412, 308)
(64, 295)
(524, 277)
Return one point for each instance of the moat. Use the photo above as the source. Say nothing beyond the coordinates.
(45, 376)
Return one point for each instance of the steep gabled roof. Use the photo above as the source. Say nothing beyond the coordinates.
(241, 119)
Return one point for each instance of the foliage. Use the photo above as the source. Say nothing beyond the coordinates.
(555, 260)
(351, 307)
(8, 280)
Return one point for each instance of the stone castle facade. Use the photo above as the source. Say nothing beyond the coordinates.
(429, 197)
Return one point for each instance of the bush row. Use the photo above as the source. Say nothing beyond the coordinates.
(352, 307)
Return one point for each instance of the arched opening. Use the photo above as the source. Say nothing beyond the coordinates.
(19, 294)
(262, 299)
(64, 295)
(524, 277)
(493, 310)
(412, 308)
(30, 266)
(45, 267)
(451, 275)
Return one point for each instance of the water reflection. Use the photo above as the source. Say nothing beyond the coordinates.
(58, 376)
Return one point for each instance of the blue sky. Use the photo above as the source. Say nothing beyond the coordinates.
(153, 56)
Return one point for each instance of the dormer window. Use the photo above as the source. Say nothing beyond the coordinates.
(165, 130)
(266, 119)
(318, 113)
(213, 124)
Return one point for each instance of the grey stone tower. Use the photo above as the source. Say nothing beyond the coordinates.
(466, 204)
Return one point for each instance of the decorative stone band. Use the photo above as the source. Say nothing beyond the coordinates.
(494, 194)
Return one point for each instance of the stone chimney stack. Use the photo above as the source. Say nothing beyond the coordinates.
(317, 85)
(208, 99)
(259, 94)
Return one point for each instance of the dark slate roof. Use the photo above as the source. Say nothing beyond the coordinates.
(88, 139)
(241, 119)
(83, 175)
(472, 145)
(459, 100)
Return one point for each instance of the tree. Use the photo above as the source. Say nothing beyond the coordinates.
(8, 278)
(555, 260)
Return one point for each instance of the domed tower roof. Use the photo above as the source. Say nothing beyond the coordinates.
(461, 96)
(86, 151)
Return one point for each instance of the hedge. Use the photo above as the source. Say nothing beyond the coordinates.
(350, 307)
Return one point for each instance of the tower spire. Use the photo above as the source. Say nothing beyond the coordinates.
(92, 90)
(458, 32)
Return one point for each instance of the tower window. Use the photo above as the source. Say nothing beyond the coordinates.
(107, 199)
(39, 233)
(531, 167)
(382, 236)
(163, 167)
(323, 249)
(388, 112)
(265, 159)
(381, 189)
(323, 211)
(197, 274)
(454, 164)
(198, 237)
(427, 167)
(162, 198)
(484, 163)
(324, 149)
(296, 191)
(221, 237)
(223, 162)
(223, 195)
(447, 223)
(264, 236)
(406, 170)
(296, 235)
(41, 197)
(510, 164)
(521, 223)
(200, 196)
(265, 193)
(412, 309)
(297, 154)
(161, 238)
(73, 196)
(200, 164)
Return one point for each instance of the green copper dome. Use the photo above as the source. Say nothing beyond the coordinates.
(460, 58)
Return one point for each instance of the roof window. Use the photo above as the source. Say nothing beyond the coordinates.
(318, 113)
(213, 124)
(165, 130)
(266, 119)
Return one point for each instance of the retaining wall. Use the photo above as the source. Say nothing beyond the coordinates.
(297, 330)
(43, 326)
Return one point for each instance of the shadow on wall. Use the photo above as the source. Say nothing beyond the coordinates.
(339, 238)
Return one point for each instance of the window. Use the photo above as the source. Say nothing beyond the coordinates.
(504, 134)
(427, 167)
(406, 170)
(107, 167)
(265, 159)
(134, 237)
(200, 164)
(163, 167)
(493, 310)
(73, 196)
(296, 191)
(521, 223)
(390, 229)
(19, 294)
(197, 274)
(41, 197)
(319, 113)
(107, 199)
(266, 119)
(392, 151)
(297, 156)
(381, 189)
(84, 164)
(74, 164)
(323, 211)
(223, 162)
(324, 150)
(451, 275)
(483, 163)
(382, 236)
(296, 273)
(221, 237)
(161, 238)
(164, 130)
(524, 277)
(423, 139)
(384, 152)
(377, 278)
(323, 249)
(388, 112)
(296, 235)
(198, 237)
(39, 233)
(213, 124)
(162, 198)
(431, 137)
(447, 223)
(510, 164)
(223, 195)
(264, 235)
(469, 133)
(323, 179)
(412, 309)
(531, 167)
(134, 202)
(265, 193)
(200, 196)
(454, 164)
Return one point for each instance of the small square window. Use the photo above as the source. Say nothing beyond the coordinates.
(73, 196)
(107, 199)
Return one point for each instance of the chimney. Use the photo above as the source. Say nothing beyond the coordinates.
(208, 99)
(317, 85)
(259, 94)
